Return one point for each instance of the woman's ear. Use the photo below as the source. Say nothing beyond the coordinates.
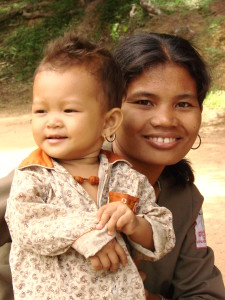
(113, 120)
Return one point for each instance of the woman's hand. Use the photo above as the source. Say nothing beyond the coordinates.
(109, 257)
(151, 296)
(119, 218)
(148, 295)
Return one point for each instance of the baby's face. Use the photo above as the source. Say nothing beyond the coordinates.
(67, 116)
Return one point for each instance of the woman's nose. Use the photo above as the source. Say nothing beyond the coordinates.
(165, 118)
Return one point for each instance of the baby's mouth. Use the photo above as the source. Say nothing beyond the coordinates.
(56, 137)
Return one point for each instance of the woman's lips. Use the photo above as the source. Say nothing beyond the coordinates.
(162, 142)
(166, 140)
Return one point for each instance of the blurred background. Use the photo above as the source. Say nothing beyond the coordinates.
(27, 25)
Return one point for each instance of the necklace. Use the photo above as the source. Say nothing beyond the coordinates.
(94, 180)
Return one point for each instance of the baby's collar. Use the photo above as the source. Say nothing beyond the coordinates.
(39, 158)
(113, 157)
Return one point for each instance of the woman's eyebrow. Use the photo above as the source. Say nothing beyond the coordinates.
(141, 94)
(188, 95)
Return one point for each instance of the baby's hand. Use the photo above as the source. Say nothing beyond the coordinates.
(109, 257)
(119, 217)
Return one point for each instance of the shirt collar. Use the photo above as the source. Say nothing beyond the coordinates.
(39, 158)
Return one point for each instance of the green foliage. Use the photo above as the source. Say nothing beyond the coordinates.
(215, 99)
(212, 47)
(22, 48)
(6, 9)
(170, 6)
(115, 17)
(22, 43)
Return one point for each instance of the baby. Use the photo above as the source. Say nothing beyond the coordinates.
(70, 202)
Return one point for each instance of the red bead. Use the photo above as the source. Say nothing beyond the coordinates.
(79, 179)
(94, 180)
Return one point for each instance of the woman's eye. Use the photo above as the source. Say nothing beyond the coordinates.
(184, 104)
(144, 102)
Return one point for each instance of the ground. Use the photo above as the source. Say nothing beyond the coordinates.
(208, 162)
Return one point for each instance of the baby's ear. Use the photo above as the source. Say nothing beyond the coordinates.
(113, 120)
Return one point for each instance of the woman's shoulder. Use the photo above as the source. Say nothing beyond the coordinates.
(180, 195)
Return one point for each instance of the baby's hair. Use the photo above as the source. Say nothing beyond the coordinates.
(71, 50)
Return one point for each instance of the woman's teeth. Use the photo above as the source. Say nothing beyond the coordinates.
(162, 140)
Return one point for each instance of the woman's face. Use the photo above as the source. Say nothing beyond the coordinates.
(162, 117)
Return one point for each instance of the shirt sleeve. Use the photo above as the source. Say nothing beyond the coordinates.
(160, 219)
(196, 276)
(126, 180)
(187, 272)
(47, 228)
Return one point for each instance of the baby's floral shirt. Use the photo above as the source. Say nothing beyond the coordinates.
(52, 223)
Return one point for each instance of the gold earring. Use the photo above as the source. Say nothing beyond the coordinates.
(200, 141)
(111, 138)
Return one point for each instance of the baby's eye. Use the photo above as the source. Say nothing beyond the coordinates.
(40, 111)
(69, 111)
(144, 102)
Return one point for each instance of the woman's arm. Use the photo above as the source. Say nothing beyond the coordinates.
(5, 185)
(195, 274)
(6, 289)
(188, 272)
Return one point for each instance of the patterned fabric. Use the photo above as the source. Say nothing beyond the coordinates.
(51, 220)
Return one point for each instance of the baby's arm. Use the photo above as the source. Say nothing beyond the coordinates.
(119, 217)
(150, 227)
(49, 228)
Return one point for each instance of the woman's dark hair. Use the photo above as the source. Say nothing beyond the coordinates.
(147, 50)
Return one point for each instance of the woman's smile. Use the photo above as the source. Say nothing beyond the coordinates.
(162, 142)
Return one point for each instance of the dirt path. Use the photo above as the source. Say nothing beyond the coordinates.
(208, 162)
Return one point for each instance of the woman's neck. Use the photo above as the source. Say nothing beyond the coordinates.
(151, 171)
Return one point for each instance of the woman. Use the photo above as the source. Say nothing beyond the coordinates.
(166, 82)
